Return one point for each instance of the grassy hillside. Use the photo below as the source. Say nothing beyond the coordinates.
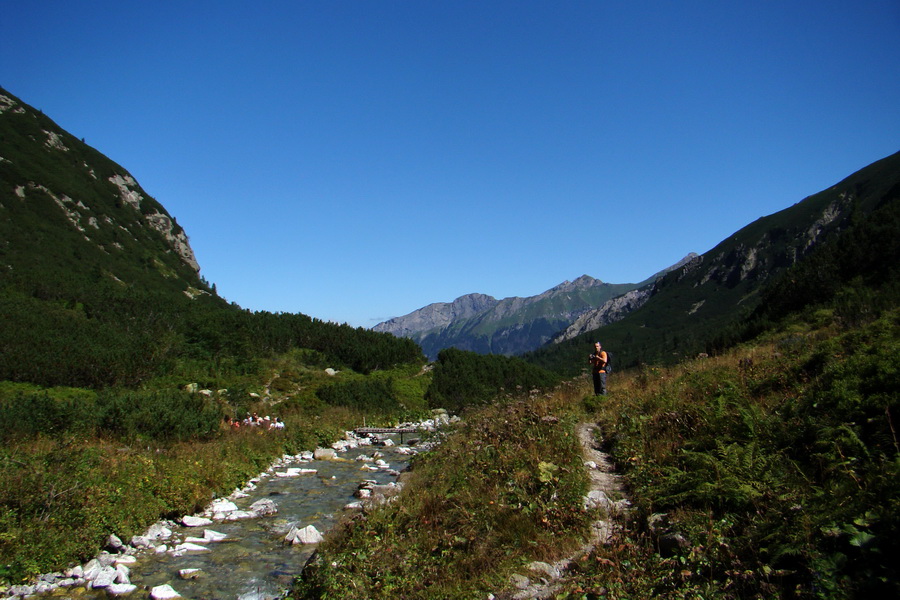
(769, 470)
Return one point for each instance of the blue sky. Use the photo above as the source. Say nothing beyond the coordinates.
(355, 161)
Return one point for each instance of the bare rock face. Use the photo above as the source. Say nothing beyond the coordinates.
(611, 311)
(130, 194)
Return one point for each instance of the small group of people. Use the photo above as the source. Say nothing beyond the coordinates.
(598, 360)
(254, 420)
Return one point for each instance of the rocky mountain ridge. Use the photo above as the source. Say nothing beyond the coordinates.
(437, 315)
(618, 308)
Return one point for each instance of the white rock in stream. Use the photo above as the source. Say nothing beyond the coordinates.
(307, 535)
(105, 578)
(213, 536)
(92, 569)
(190, 573)
(295, 472)
(164, 592)
(120, 589)
(158, 531)
(190, 547)
(123, 574)
(190, 521)
(264, 507)
(219, 508)
(325, 454)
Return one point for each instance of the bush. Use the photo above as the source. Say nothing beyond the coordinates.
(164, 415)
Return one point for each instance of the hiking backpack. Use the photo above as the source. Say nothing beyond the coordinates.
(608, 367)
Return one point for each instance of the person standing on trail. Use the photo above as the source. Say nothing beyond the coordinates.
(598, 360)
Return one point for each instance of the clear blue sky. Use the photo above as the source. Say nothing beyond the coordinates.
(355, 161)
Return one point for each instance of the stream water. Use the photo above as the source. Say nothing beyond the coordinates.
(253, 562)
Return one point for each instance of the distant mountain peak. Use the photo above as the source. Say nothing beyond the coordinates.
(582, 283)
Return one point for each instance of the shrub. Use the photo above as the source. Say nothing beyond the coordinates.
(162, 415)
(464, 379)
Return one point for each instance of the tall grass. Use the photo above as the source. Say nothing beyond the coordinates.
(63, 492)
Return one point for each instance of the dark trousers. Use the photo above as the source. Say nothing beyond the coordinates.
(599, 384)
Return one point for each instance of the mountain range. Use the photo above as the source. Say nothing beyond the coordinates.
(511, 326)
(674, 313)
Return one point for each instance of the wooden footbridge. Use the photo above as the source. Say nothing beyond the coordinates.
(400, 430)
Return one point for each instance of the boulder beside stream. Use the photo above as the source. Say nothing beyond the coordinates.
(307, 535)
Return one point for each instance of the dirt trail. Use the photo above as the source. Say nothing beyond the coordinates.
(605, 491)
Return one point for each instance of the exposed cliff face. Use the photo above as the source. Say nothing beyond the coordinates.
(129, 192)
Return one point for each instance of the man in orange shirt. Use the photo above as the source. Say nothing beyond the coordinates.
(598, 369)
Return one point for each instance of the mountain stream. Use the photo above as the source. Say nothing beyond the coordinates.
(253, 561)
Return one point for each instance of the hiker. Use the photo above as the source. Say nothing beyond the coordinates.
(598, 361)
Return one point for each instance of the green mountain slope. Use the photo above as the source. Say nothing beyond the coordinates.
(67, 211)
(99, 285)
(698, 307)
